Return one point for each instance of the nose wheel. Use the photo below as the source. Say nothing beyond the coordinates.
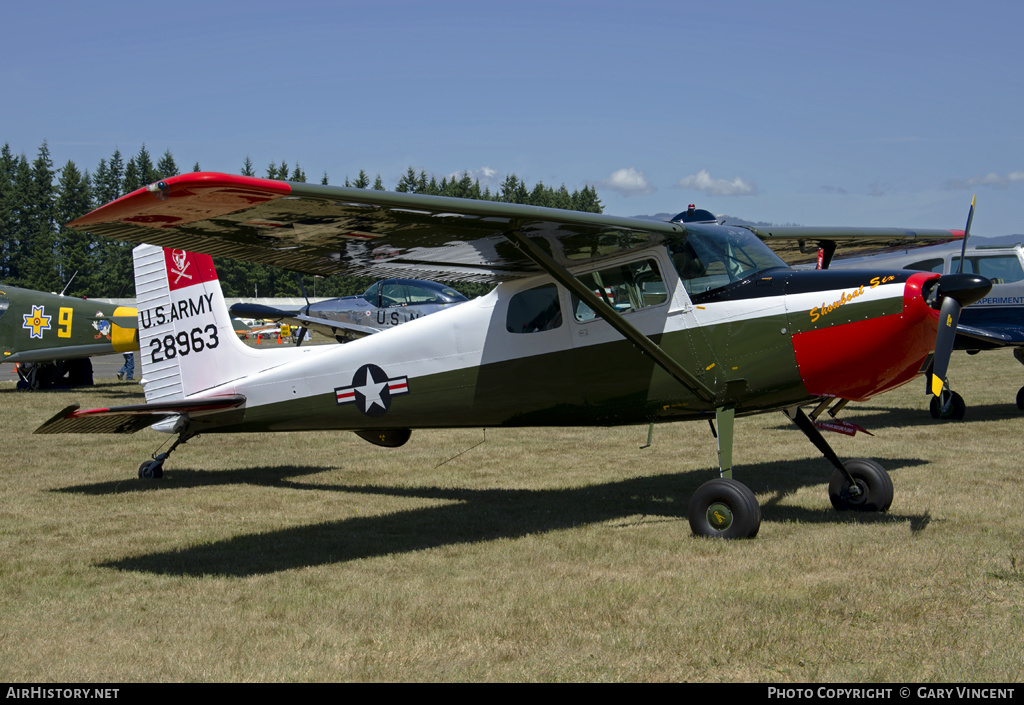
(950, 406)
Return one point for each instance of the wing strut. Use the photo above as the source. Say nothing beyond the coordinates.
(613, 317)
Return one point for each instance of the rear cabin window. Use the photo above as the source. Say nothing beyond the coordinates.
(534, 310)
(626, 287)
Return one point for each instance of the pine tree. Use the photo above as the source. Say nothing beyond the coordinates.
(166, 167)
(8, 164)
(74, 248)
(247, 168)
(408, 183)
(37, 248)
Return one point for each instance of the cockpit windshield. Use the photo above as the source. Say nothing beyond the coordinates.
(3, 305)
(709, 257)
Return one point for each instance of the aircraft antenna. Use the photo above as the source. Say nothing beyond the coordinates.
(69, 283)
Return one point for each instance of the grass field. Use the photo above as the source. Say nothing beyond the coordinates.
(543, 554)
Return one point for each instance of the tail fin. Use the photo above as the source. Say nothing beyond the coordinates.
(186, 337)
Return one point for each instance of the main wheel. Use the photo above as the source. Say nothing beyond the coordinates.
(724, 508)
(873, 481)
(948, 407)
(151, 470)
(1020, 398)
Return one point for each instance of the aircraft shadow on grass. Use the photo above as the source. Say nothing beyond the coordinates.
(473, 515)
(877, 418)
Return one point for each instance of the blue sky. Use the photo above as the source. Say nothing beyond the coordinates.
(868, 113)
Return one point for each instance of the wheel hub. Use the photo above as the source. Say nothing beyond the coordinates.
(720, 516)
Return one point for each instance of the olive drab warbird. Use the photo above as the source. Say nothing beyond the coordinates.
(595, 320)
(59, 333)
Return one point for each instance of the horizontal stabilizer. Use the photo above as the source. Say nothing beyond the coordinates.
(135, 417)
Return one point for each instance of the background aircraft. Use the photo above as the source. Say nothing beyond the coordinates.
(596, 320)
(387, 303)
(56, 335)
(995, 321)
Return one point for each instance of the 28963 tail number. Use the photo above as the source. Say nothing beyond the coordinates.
(184, 343)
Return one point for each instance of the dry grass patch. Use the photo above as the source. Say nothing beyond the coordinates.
(543, 554)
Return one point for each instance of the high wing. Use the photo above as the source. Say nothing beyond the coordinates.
(335, 230)
(806, 245)
(338, 230)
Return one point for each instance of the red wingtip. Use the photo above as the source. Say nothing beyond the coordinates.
(172, 201)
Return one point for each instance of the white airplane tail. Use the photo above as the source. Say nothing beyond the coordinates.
(186, 338)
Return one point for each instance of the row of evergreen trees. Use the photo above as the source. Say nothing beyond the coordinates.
(38, 252)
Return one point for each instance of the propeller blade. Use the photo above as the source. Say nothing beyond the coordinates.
(949, 315)
(302, 334)
(967, 234)
(954, 291)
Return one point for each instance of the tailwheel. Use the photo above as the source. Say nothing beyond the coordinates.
(873, 491)
(950, 406)
(724, 508)
(151, 470)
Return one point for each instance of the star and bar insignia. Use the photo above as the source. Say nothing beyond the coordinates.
(371, 390)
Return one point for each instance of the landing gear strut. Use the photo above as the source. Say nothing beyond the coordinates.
(857, 485)
(154, 469)
(724, 508)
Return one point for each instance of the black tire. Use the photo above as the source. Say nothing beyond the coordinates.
(952, 410)
(726, 509)
(1020, 398)
(151, 470)
(873, 481)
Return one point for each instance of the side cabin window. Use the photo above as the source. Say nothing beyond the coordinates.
(534, 310)
(4, 303)
(1001, 269)
(625, 287)
(709, 257)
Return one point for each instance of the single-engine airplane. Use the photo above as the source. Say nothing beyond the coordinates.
(993, 322)
(387, 303)
(59, 334)
(595, 320)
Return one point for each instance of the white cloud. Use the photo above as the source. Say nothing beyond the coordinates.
(627, 182)
(992, 180)
(703, 181)
(487, 176)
